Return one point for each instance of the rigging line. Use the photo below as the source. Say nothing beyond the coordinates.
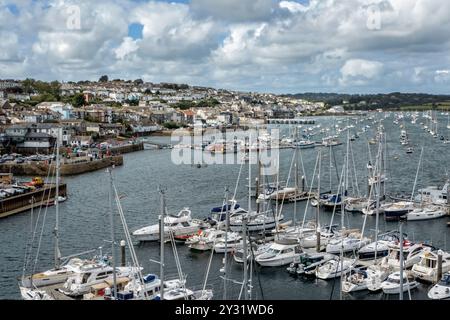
(371, 191)
(29, 253)
(335, 204)
(128, 239)
(310, 191)
(287, 183)
(42, 233)
(354, 171)
(239, 175)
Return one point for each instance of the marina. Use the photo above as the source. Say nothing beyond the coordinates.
(193, 194)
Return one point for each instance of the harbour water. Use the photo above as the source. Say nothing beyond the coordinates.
(85, 215)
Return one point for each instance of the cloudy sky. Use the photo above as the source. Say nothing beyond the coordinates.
(355, 46)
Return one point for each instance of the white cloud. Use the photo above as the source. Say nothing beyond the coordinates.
(128, 46)
(359, 71)
(267, 45)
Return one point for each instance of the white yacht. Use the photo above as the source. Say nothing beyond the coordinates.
(180, 224)
(255, 251)
(256, 221)
(381, 247)
(88, 275)
(347, 244)
(279, 254)
(326, 234)
(426, 268)
(34, 294)
(308, 263)
(411, 253)
(441, 290)
(233, 243)
(53, 276)
(427, 213)
(433, 195)
(333, 268)
(376, 274)
(355, 281)
(392, 283)
(204, 240)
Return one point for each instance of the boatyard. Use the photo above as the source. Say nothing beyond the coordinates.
(306, 238)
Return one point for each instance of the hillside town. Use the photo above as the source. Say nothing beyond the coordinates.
(31, 112)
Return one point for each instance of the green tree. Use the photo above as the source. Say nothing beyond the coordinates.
(103, 78)
(78, 100)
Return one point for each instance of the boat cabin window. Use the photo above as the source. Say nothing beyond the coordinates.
(287, 251)
(103, 275)
(393, 280)
(430, 263)
(274, 251)
(86, 277)
(185, 224)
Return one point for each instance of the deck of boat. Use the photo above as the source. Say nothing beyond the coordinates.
(53, 292)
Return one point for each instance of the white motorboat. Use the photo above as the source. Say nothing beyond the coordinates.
(427, 213)
(180, 224)
(308, 263)
(334, 268)
(134, 290)
(309, 241)
(381, 247)
(441, 290)
(426, 268)
(88, 275)
(433, 195)
(411, 252)
(255, 251)
(392, 283)
(305, 144)
(204, 240)
(255, 222)
(279, 254)
(233, 243)
(348, 244)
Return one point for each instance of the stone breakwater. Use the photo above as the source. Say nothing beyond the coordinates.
(67, 169)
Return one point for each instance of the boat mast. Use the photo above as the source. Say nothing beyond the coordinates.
(57, 251)
(113, 247)
(249, 176)
(161, 239)
(318, 204)
(244, 247)
(401, 260)
(227, 221)
(296, 176)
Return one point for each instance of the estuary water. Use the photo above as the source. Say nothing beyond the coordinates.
(85, 215)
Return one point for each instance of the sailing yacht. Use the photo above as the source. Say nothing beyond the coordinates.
(256, 221)
(179, 224)
(334, 268)
(441, 290)
(427, 213)
(87, 275)
(351, 243)
(381, 247)
(397, 210)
